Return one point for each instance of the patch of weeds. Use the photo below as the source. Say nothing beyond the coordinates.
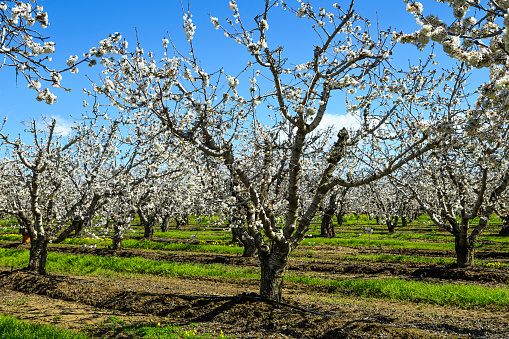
(166, 331)
(18, 301)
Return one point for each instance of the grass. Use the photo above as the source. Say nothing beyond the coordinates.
(94, 265)
(364, 241)
(13, 328)
(152, 330)
(465, 296)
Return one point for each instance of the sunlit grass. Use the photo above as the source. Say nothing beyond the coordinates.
(13, 328)
(465, 296)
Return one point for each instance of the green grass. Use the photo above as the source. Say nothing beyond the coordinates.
(13, 328)
(464, 296)
(364, 241)
(94, 265)
(181, 246)
(152, 330)
(171, 332)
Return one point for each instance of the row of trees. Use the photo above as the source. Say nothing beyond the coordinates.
(250, 146)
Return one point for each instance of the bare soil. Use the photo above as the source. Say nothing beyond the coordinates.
(215, 304)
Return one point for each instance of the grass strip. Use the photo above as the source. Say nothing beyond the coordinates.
(13, 328)
(364, 242)
(95, 265)
(464, 296)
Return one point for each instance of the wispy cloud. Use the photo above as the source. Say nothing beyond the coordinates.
(63, 126)
(339, 121)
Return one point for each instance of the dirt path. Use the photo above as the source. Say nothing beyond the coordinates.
(76, 302)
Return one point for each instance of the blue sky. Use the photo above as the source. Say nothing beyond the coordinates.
(76, 26)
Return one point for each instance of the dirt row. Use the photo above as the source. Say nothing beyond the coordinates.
(231, 305)
(246, 316)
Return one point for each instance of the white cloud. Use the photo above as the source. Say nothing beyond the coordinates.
(63, 126)
(339, 121)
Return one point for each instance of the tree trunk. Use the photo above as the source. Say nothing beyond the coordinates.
(464, 252)
(505, 225)
(273, 266)
(236, 236)
(248, 242)
(38, 256)
(165, 225)
(391, 225)
(78, 226)
(117, 238)
(183, 221)
(404, 222)
(149, 226)
(327, 227)
(340, 217)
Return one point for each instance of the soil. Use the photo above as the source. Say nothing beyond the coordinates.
(103, 306)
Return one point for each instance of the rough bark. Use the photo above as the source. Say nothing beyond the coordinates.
(78, 226)
(464, 251)
(181, 222)
(149, 223)
(149, 229)
(505, 225)
(236, 236)
(117, 238)
(327, 227)
(273, 266)
(248, 242)
(38, 256)
(391, 224)
(340, 216)
(165, 225)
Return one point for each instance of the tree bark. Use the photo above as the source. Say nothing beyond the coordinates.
(340, 216)
(404, 222)
(327, 227)
(38, 256)
(273, 266)
(149, 226)
(505, 225)
(117, 237)
(181, 222)
(78, 226)
(391, 224)
(248, 243)
(464, 251)
(165, 225)
(236, 236)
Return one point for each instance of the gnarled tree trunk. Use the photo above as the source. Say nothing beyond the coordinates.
(182, 221)
(118, 236)
(464, 252)
(38, 255)
(391, 224)
(165, 225)
(505, 225)
(273, 266)
(327, 227)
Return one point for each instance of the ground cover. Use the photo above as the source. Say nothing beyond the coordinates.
(196, 288)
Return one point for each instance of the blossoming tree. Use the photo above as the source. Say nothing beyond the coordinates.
(208, 110)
